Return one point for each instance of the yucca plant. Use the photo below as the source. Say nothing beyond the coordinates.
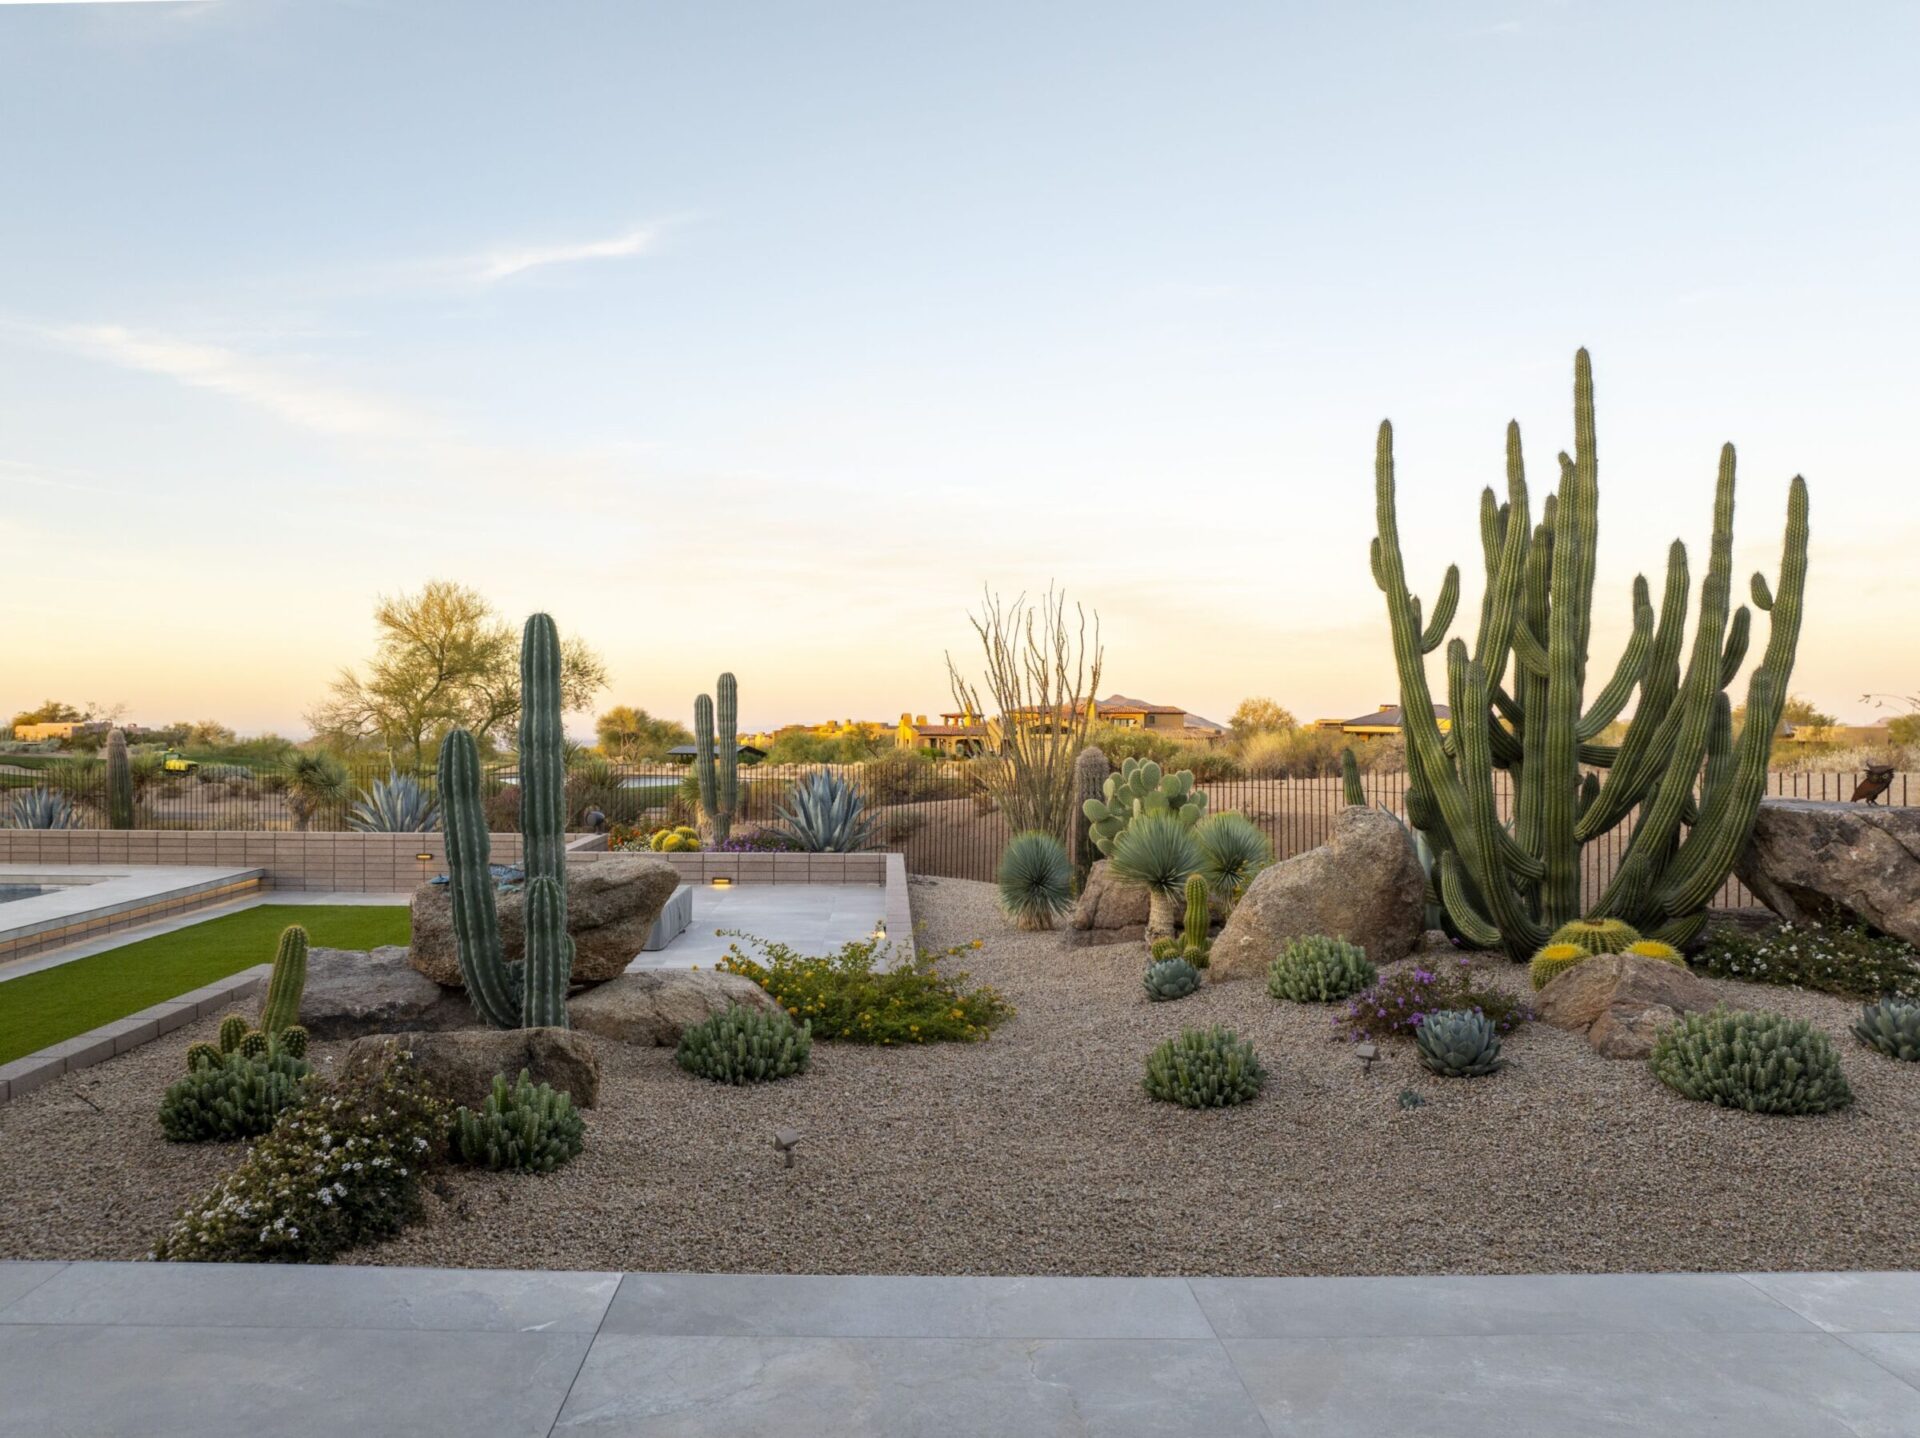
(397, 804)
(1891, 1027)
(41, 809)
(1035, 879)
(1159, 853)
(314, 781)
(1233, 849)
(824, 814)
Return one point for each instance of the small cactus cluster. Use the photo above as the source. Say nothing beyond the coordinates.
(1191, 943)
(681, 839)
(1205, 1068)
(1139, 789)
(1760, 1062)
(1891, 1027)
(1597, 936)
(1172, 978)
(520, 1126)
(1317, 970)
(1458, 1043)
(231, 1095)
(281, 1011)
(745, 1045)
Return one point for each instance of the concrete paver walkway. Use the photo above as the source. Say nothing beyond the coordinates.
(208, 1351)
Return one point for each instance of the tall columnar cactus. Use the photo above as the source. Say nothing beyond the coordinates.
(1352, 789)
(1519, 703)
(527, 993)
(1090, 770)
(119, 782)
(1198, 914)
(717, 761)
(281, 1011)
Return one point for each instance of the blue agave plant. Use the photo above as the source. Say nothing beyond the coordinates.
(397, 804)
(828, 816)
(40, 809)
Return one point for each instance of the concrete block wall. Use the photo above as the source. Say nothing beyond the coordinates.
(320, 862)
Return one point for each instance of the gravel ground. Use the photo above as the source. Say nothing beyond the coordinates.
(1037, 1152)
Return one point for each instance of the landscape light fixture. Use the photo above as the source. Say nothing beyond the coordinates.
(721, 881)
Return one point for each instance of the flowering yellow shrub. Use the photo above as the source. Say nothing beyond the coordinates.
(846, 997)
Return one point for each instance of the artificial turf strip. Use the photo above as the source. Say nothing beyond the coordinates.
(45, 1007)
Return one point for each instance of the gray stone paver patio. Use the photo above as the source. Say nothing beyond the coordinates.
(166, 1349)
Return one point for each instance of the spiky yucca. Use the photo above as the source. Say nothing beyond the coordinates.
(1891, 1027)
(1159, 853)
(1205, 1068)
(1233, 851)
(1760, 1062)
(1597, 936)
(1554, 960)
(1035, 879)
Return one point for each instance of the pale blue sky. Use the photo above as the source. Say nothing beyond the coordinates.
(759, 336)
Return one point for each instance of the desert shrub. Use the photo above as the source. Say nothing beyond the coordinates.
(1891, 1027)
(1170, 978)
(1458, 1043)
(231, 1095)
(1120, 744)
(1399, 1004)
(1597, 936)
(1291, 754)
(1205, 1068)
(847, 997)
(1760, 1062)
(1209, 763)
(904, 776)
(341, 1169)
(1035, 880)
(1553, 960)
(523, 1126)
(1317, 970)
(899, 825)
(1855, 963)
(745, 1045)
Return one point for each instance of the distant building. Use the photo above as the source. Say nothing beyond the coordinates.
(687, 753)
(958, 735)
(59, 729)
(867, 730)
(961, 734)
(1385, 722)
(1840, 736)
(1169, 720)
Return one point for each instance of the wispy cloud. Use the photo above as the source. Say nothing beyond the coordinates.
(274, 387)
(504, 264)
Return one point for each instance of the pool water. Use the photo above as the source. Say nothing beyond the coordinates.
(10, 892)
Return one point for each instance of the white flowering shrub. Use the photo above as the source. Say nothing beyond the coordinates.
(1853, 962)
(343, 1168)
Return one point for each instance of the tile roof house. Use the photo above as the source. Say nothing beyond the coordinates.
(1387, 720)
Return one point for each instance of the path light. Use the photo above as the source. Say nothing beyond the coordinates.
(425, 857)
(721, 881)
(1368, 1053)
(785, 1139)
(879, 934)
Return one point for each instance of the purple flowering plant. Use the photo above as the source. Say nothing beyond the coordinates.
(1397, 1005)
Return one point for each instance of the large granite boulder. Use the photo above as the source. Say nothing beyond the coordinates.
(1364, 885)
(1107, 911)
(351, 992)
(1827, 863)
(461, 1064)
(1622, 1001)
(612, 903)
(655, 1006)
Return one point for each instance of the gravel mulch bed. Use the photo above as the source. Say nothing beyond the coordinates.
(1037, 1152)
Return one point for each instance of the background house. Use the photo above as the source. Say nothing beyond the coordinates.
(1385, 722)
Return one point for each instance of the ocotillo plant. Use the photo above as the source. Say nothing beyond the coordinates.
(718, 763)
(530, 993)
(281, 1011)
(1519, 703)
(119, 782)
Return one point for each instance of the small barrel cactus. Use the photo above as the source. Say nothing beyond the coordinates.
(1891, 1027)
(1317, 970)
(1458, 1043)
(293, 1040)
(233, 1028)
(1760, 1062)
(204, 1056)
(1172, 978)
(1553, 961)
(1597, 936)
(254, 1044)
(1205, 1068)
(1654, 949)
(744, 1046)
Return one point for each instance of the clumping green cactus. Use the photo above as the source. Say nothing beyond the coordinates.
(289, 981)
(717, 758)
(233, 1028)
(119, 782)
(254, 1044)
(1141, 788)
(1891, 1027)
(1205, 1068)
(1352, 790)
(1171, 978)
(293, 1039)
(1315, 969)
(532, 992)
(1597, 936)
(1458, 1043)
(1198, 915)
(1520, 703)
(205, 1056)
(1760, 1062)
(744, 1045)
(1554, 960)
(238, 1097)
(519, 1126)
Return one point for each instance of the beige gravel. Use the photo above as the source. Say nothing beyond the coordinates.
(1037, 1152)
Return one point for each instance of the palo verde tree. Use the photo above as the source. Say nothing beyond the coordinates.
(1520, 704)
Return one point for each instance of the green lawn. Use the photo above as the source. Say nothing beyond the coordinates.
(43, 1008)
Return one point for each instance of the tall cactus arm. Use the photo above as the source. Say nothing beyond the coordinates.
(1506, 569)
(1474, 729)
(549, 963)
(1608, 703)
(727, 761)
(1473, 926)
(1709, 851)
(543, 752)
(1443, 611)
(491, 983)
(288, 981)
(703, 760)
(1736, 651)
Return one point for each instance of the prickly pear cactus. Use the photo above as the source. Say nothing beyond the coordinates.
(1141, 788)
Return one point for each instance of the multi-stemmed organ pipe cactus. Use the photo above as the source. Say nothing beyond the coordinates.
(528, 993)
(1520, 703)
(717, 762)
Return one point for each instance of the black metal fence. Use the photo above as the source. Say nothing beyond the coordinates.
(940, 816)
